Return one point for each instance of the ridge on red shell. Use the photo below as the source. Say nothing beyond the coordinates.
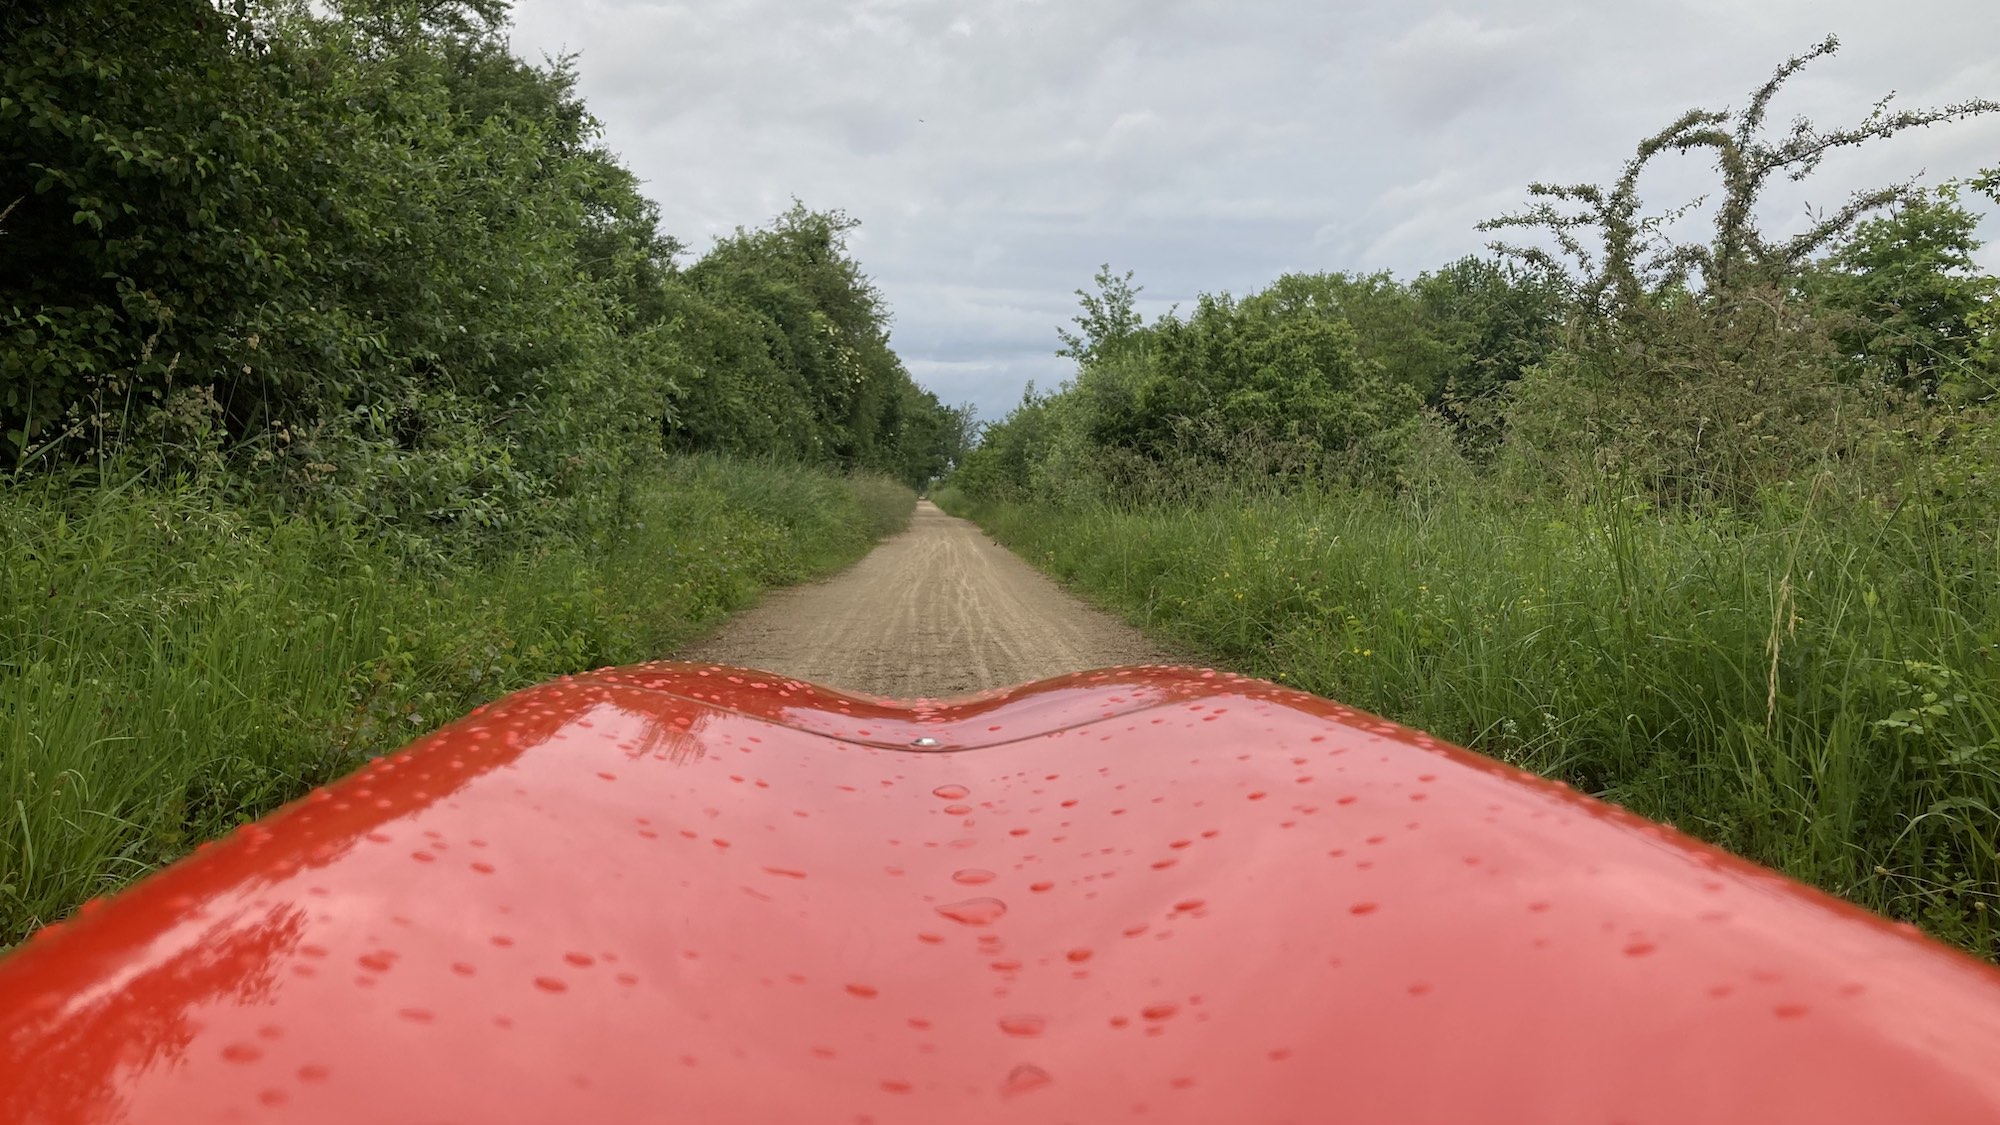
(694, 893)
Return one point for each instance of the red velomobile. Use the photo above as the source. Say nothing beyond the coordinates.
(684, 893)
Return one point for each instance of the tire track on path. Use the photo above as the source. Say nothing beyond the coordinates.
(934, 611)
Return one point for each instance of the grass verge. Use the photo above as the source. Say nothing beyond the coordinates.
(1813, 686)
(171, 667)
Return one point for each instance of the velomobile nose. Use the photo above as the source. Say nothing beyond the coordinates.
(686, 892)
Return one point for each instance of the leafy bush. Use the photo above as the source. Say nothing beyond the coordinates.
(1315, 377)
(1704, 371)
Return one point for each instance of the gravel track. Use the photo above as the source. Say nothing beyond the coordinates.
(937, 610)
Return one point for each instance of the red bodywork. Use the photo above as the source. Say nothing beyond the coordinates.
(682, 893)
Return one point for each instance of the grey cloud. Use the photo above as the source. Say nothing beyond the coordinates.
(1450, 63)
(998, 150)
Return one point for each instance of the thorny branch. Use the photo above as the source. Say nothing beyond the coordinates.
(1636, 259)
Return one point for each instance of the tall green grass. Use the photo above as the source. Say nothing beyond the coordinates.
(171, 666)
(1815, 685)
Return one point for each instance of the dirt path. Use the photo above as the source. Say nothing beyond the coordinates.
(935, 611)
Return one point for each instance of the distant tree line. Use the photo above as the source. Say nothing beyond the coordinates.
(1608, 349)
(356, 254)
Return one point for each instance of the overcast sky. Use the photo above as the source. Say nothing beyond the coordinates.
(996, 151)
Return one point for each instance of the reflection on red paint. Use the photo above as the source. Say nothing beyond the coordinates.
(751, 899)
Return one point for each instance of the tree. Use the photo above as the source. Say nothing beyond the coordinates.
(783, 347)
(1109, 318)
(1270, 371)
(1496, 321)
(1913, 298)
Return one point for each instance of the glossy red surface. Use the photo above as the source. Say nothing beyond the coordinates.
(682, 893)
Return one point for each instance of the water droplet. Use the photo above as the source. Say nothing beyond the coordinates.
(895, 1086)
(1362, 908)
(1078, 955)
(1040, 887)
(242, 1052)
(580, 960)
(417, 1015)
(550, 984)
(865, 991)
(1159, 1011)
(951, 792)
(1790, 1011)
(1024, 1078)
(972, 876)
(958, 810)
(1025, 1027)
(975, 912)
(1640, 949)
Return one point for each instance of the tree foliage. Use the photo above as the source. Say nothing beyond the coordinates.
(1109, 318)
(359, 254)
(1315, 375)
(1914, 309)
